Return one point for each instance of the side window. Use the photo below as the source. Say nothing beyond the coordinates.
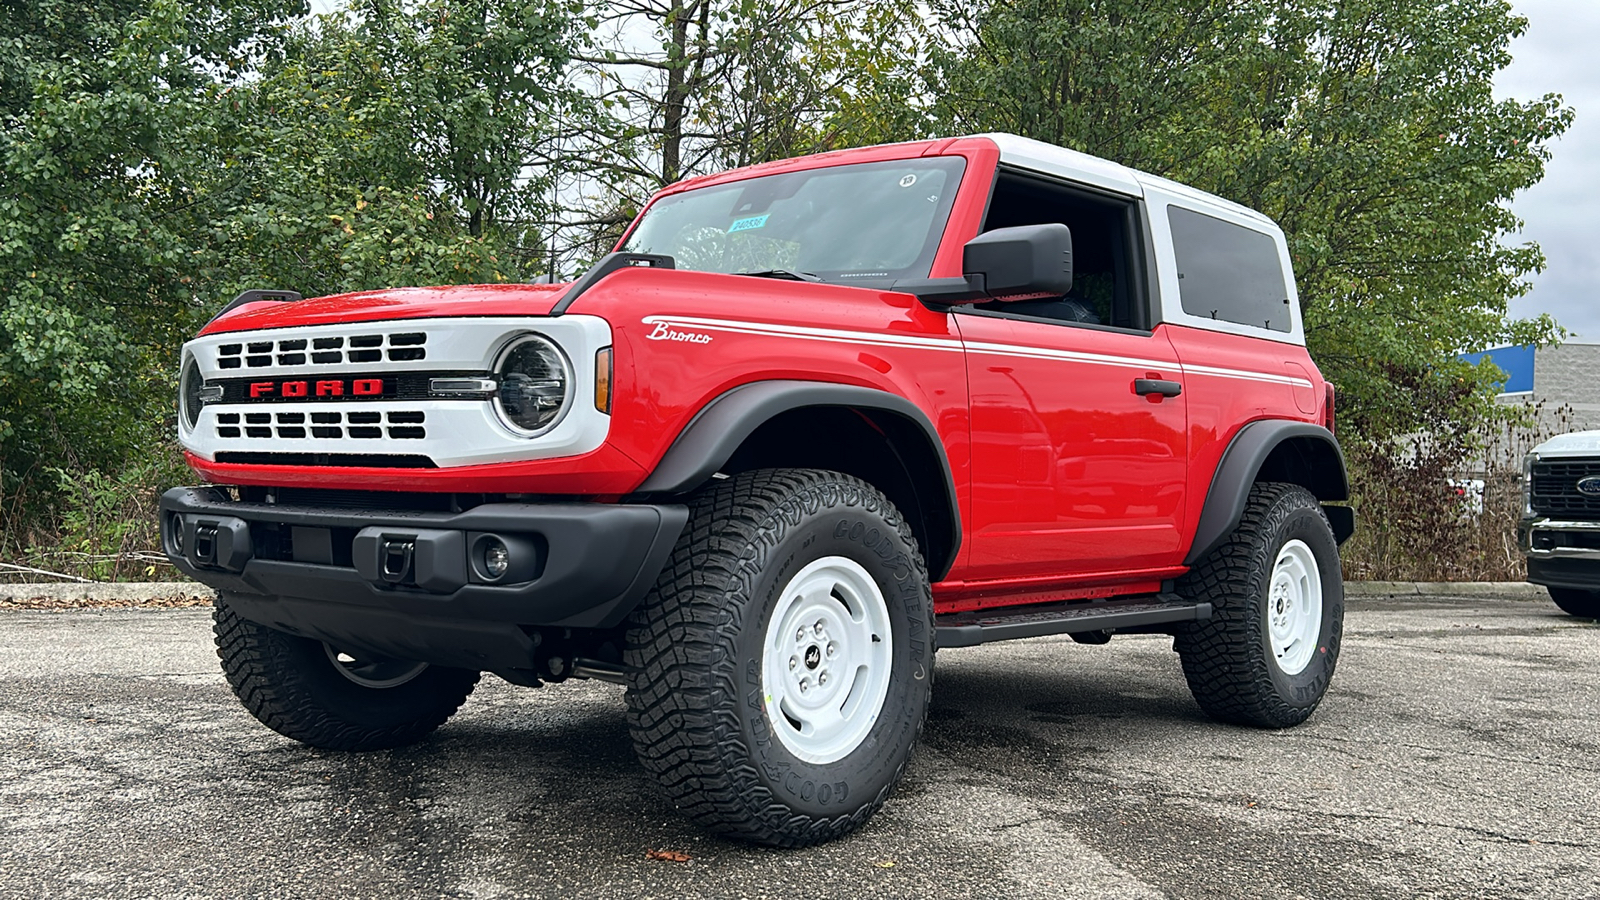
(1227, 271)
(1104, 245)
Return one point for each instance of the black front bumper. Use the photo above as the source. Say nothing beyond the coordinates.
(413, 585)
(1562, 552)
(1583, 574)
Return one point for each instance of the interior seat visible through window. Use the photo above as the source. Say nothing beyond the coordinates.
(1103, 291)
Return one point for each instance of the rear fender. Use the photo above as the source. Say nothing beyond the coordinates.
(1273, 450)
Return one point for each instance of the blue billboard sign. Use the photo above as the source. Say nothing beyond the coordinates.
(1516, 362)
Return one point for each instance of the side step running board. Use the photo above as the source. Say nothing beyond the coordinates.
(973, 628)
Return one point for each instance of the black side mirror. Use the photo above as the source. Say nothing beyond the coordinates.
(1021, 263)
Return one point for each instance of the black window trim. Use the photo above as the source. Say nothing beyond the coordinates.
(1142, 276)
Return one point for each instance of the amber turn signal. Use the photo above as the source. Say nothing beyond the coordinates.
(602, 380)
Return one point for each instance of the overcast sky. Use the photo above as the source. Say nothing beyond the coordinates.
(1562, 213)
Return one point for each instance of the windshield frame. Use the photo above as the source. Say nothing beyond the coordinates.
(956, 166)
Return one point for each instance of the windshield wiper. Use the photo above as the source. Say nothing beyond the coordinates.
(781, 273)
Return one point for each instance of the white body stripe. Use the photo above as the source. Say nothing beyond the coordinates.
(806, 334)
(801, 332)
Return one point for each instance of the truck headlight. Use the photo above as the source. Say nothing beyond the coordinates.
(535, 385)
(191, 383)
(1527, 483)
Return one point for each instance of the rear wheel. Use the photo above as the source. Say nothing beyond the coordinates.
(1577, 601)
(781, 669)
(320, 695)
(1267, 653)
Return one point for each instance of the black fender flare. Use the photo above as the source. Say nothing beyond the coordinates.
(723, 424)
(1247, 453)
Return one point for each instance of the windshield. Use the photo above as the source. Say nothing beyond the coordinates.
(863, 221)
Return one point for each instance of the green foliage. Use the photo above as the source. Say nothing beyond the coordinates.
(102, 108)
(387, 147)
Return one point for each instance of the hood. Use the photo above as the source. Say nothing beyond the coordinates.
(395, 303)
(1578, 443)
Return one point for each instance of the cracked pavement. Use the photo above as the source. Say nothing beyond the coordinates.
(1455, 756)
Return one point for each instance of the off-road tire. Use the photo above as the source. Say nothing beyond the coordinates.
(694, 649)
(291, 685)
(1228, 659)
(1576, 601)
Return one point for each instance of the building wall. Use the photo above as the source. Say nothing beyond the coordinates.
(1566, 389)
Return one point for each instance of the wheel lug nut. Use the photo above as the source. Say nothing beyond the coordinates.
(833, 649)
(822, 678)
(821, 626)
(805, 685)
(793, 662)
(801, 634)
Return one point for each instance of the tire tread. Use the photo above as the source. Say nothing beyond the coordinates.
(684, 730)
(267, 676)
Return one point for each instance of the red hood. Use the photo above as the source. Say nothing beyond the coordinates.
(396, 303)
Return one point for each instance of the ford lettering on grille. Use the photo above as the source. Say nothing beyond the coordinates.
(1589, 487)
(308, 389)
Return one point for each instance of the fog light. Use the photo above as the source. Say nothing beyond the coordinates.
(496, 558)
(176, 524)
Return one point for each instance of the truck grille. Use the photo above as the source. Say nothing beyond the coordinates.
(396, 424)
(1555, 488)
(324, 351)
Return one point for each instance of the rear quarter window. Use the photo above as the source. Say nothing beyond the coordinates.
(1228, 272)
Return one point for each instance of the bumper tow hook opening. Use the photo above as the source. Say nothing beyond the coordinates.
(205, 545)
(397, 558)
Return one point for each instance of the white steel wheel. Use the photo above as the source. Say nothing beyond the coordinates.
(372, 671)
(1294, 607)
(826, 660)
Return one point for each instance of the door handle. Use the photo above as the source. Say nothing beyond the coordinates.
(1148, 386)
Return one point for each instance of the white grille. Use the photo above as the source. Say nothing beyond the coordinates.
(451, 431)
(395, 424)
(331, 350)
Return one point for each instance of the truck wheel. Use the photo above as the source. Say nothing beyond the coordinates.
(780, 669)
(1267, 653)
(309, 691)
(1577, 601)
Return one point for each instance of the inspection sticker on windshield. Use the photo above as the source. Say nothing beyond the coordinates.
(747, 224)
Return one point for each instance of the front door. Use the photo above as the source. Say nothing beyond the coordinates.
(1073, 472)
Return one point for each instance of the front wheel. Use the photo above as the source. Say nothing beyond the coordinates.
(319, 695)
(1577, 601)
(781, 669)
(1267, 653)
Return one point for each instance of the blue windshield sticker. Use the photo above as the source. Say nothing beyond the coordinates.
(747, 224)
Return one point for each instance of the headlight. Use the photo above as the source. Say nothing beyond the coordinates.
(535, 385)
(1527, 483)
(191, 383)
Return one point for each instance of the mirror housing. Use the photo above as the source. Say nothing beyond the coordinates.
(1021, 263)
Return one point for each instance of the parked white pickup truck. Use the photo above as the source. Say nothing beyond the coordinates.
(1560, 528)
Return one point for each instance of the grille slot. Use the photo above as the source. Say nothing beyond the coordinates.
(1555, 488)
(404, 346)
(403, 424)
(366, 460)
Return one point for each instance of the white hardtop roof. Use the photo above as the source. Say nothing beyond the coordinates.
(1038, 156)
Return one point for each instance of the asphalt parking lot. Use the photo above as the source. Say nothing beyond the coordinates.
(1456, 756)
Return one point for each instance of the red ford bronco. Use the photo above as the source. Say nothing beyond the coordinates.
(812, 420)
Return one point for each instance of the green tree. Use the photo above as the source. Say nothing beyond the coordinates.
(102, 106)
(388, 146)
